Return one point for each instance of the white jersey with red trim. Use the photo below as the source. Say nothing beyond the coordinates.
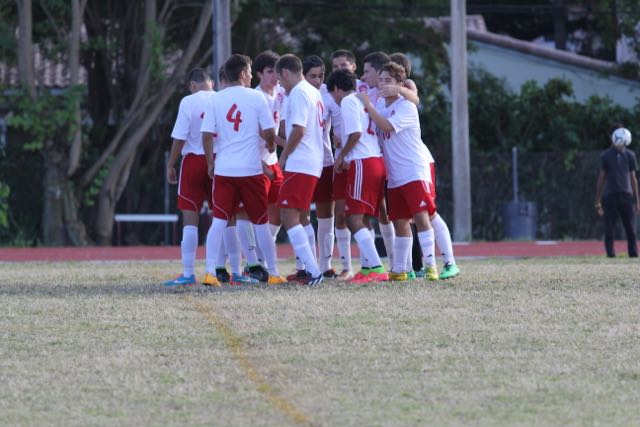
(237, 115)
(327, 99)
(190, 116)
(406, 157)
(274, 101)
(355, 118)
(305, 108)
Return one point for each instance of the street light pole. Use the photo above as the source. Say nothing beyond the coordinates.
(221, 31)
(460, 124)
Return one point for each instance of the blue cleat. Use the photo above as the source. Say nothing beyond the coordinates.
(182, 281)
(242, 279)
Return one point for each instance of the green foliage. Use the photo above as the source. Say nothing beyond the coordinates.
(540, 118)
(48, 117)
(4, 205)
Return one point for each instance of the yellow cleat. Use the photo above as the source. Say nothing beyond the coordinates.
(431, 273)
(276, 280)
(398, 277)
(211, 280)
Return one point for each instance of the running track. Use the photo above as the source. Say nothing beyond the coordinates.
(462, 250)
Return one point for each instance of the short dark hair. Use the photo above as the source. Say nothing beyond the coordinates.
(265, 59)
(222, 75)
(346, 53)
(289, 62)
(198, 75)
(401, 59)
(377, 59)
(310, 62)
(234, 66)
(395, 70)
(341, 79)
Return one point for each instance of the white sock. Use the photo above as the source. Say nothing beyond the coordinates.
(368, 254)
(300, 243)
(188, 247)
(388, 235)
(402, 251)
(274, 230)
(343, 237)
(373, 233)
(265, 241)
(428, 247)
(214, 243)
(311, 236)
(325, 242)
(409, 266)
(232, 245)
(221, 257)
(247, 240)
(259, 254)
(443, 239)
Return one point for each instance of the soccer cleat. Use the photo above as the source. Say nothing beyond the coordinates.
(211, 280)
(420, 273)
(257, 272)
(241, 279)
(223, 275)
(345, 275)
(330, 274)
(431, 273)
(182, 281)
(449, 271)
(410, 275)
(298, 276)
(313, 281)
(398, 277)
(374, 276)
(361, 277)
(276, 280)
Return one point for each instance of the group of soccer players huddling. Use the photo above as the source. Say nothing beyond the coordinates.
(353, 147)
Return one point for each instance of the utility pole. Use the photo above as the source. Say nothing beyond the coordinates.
(221, 30)
(460, 124)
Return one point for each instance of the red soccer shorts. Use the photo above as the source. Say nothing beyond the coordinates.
(432, 187)
(194, 184)
(297, 190)
(230, 191)
(365, 186)
(340, 185)
(407, 200)
(274, 185)
(324, 189)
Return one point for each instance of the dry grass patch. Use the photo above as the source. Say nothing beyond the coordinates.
(524, 342)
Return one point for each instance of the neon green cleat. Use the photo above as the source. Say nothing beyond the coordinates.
(449, 271)
(431, 273)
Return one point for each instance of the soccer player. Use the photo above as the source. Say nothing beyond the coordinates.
(341, 59)
(408, 172)
(313, 71)
(440, 228)
(373, 62)
(194, 184)
(239, 117)
(361, 157)
(301, 159)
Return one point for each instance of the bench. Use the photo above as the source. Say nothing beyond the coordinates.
(165, 218)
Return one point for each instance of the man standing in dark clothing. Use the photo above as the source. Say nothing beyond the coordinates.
(618, 177)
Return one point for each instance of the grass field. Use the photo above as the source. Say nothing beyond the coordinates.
(509, 343)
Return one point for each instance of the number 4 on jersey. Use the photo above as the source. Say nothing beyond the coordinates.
(235, 120)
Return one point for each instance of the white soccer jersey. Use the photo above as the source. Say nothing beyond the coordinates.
(190, 115)
(238, 114)
(274, 102)
(406, 157)
(305, 108)
(356, 119)
(327, 99)
(361, 86)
